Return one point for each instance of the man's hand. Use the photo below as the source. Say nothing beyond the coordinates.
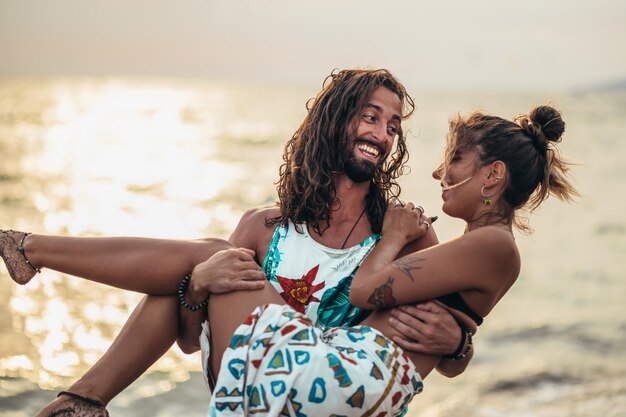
(426, 328)
(228, 270)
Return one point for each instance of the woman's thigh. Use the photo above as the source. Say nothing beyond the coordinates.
(228, 311)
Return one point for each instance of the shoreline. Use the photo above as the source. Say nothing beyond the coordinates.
(540, 395)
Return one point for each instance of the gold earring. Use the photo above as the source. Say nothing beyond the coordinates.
(486, 198)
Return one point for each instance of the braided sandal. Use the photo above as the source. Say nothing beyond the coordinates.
(76, 405)
(12, 253)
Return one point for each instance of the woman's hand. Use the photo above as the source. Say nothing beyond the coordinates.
(227, 270)
(405, 223)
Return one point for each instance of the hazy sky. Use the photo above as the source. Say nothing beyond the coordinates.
(459, 44)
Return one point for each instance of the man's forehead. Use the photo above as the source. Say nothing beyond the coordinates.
(384, 100)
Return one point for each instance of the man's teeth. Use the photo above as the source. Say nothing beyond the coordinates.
(369, 149)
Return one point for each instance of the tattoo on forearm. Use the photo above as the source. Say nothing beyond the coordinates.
(383, 296)
(407, 265)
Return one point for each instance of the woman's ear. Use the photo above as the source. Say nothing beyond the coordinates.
(496, 172)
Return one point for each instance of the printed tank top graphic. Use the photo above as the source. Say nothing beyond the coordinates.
(314, 279)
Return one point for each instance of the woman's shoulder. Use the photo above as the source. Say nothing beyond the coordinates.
(492, 235)
(497, 243)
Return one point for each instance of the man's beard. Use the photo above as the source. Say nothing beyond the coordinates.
(359, 170)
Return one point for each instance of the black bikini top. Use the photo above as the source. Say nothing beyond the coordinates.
(456, 302)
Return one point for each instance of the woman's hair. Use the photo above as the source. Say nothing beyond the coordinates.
(318, 149)
(527, 146)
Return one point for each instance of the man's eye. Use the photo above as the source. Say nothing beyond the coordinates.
(369, 117)
(392, 130)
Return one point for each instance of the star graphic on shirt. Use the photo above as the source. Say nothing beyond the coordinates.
(299, 292)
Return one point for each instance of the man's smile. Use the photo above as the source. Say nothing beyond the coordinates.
(369, 150)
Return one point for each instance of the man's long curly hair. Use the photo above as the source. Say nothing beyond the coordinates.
(318, 149)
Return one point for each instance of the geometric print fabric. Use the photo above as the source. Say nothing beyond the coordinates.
(279, 364)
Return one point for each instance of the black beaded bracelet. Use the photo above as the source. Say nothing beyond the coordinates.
(182, 289)
(465, 345)
(468, 347)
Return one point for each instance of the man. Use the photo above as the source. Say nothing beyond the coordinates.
(338, 177)
(339, 165)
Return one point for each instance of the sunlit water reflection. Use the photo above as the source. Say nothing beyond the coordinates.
(119, 157)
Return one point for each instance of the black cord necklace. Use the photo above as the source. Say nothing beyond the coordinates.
(352, 230)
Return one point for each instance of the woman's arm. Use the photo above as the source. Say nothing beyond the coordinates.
(428, 240)
(483, 261)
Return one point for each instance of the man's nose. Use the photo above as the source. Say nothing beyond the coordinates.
(380, 132)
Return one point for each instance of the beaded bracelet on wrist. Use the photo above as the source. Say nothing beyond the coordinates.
(461, 345)
(465, 345)
(20, 249)
(468, 347)
(182, 289)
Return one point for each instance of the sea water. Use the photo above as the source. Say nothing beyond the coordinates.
(184, 159)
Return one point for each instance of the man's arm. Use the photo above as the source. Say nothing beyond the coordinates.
(190, 328)
(250, 231)
(429, 328)
(450, 368)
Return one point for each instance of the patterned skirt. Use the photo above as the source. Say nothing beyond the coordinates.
(279, 364)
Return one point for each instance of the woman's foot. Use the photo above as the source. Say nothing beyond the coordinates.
(68, 404)
(12, 253)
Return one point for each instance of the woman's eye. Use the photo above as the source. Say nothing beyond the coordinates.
(369, 117)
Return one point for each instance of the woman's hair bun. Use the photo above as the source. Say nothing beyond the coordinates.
(547, 121)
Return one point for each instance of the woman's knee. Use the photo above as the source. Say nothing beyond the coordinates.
(207, 247)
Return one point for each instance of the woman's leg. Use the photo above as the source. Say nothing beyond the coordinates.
(149, 266)
(149, 332)
(144, 265)
(228, 311)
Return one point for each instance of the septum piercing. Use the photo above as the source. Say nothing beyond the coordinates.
(447, 187)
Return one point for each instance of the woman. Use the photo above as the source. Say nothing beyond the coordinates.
(492, 168)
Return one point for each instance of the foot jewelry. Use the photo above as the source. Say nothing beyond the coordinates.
(20, 249)
(78, 406)
(88, 400)
(12, 252)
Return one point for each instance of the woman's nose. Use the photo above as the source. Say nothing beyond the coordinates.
(438, 172)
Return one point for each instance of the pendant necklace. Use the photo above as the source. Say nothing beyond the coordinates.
(352, 230)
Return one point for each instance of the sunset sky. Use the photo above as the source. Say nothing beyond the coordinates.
(454, 44)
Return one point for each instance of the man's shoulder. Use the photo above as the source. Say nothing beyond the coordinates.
(252, 232)
(257, 216)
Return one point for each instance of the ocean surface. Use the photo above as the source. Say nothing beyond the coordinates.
(184, 159)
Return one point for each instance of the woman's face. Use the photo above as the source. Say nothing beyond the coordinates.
(461, 183)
